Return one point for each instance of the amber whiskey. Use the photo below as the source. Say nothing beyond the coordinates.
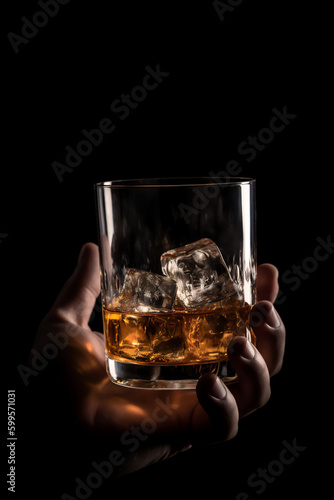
(175, 338)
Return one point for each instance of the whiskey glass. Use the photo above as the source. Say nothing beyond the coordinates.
(178, 270)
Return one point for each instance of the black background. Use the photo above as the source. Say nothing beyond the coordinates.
(225, 78)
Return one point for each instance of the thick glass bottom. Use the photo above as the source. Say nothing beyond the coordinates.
(166, 377)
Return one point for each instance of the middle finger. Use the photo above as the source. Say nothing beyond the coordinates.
(251, 389)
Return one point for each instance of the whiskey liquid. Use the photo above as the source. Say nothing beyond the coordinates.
(176, 338)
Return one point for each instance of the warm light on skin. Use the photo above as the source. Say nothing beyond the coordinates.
(135, 410)
(89, 346)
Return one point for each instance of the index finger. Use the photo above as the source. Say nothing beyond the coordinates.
(267, 282)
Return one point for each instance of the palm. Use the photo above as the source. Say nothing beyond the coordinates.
(181, 417)
(112, 408)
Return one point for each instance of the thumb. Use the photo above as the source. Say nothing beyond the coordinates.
(76, 299)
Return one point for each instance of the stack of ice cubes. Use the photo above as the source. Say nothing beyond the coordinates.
(195, 274)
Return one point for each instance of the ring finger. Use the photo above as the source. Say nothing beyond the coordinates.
(251, 390)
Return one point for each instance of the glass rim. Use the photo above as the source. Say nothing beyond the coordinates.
(173, 182)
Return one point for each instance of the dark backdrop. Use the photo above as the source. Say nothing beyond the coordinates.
(226, 69)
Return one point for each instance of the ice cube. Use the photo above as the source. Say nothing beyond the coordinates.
(133, 339)
(144, 291)
(168, 340)
(200, 272)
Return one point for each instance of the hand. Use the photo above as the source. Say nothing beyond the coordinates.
(157, 424)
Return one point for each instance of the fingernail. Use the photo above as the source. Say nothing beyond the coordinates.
(217, 390)
(273, 320)
(264, 312)
(241, 347)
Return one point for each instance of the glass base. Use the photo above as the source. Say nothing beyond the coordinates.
(166, 377)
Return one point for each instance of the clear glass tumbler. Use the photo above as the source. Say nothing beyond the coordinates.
(178, 270)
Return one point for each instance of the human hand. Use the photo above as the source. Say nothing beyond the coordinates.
(158, 424)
